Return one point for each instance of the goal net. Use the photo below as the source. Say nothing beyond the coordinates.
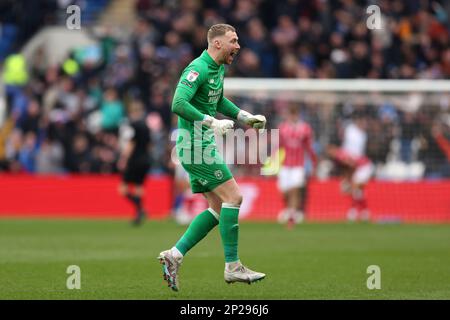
(404, 133)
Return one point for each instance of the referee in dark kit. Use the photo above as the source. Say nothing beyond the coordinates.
(135, 160)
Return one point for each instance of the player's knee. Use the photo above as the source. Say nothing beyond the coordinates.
(122, 189)
(216, 207)
(239, 199)
(139, 191)
(235, 199)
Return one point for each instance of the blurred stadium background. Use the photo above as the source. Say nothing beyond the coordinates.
(65, 96)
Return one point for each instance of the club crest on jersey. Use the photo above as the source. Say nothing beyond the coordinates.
(218, 174)
(192, 76)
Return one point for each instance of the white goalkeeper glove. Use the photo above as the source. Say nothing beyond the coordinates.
(255, 121)
(219, 126)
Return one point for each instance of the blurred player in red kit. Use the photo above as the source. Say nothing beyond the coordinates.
(296, 138)
(357, 168)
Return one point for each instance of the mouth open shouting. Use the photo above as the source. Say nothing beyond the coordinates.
(230, 57)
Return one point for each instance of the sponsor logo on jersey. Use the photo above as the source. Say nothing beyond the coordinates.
(203, 182)
(192, 76)
(186, 83)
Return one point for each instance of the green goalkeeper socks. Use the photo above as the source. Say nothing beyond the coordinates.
(229, 231)
(205, 222)
(197, 230)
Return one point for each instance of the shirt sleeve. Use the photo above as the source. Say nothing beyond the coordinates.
(443, 144)
(134, 129)
(190, 81)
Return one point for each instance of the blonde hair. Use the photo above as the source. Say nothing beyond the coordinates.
(219, 30)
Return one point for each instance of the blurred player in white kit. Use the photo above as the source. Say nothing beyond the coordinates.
(357, 167)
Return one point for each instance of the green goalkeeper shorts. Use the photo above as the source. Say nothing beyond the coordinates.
(205, 175)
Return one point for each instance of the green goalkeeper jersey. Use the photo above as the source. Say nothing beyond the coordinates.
(199, 92)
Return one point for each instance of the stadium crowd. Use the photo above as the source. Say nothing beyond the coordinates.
(67, 118)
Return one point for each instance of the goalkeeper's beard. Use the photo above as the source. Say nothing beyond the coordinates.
(229, 57)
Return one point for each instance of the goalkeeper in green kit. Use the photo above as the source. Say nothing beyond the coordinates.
(197, 99)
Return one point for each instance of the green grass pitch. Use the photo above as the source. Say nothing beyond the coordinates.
(312, 261)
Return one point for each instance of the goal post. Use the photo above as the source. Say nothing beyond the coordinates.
(234, 85)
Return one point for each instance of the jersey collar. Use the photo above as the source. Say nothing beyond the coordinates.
(205, 55)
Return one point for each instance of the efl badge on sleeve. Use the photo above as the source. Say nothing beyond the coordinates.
(192, 76)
